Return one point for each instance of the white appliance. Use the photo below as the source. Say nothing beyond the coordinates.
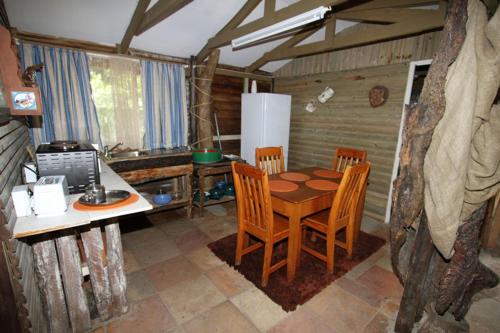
(51, 195)
(22, 200)
(265, 122)
(29, 172)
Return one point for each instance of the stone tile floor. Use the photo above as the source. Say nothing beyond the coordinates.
(175, 284)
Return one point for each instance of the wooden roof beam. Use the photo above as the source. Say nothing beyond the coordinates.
(381, 4)
(418, 24)
(160, 11)
(296, 39)
(383, 15)
(225, 36)
(136, 20)
(244, 11)
(409, 22)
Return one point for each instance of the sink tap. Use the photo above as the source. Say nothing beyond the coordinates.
(107, 150)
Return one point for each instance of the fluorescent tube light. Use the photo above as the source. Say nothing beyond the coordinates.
(285, 25)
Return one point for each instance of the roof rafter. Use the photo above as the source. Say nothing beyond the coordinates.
(224, 36)
(160, 11)
(136, 20)
(247, 8)
(297, 38)
(143, 20)
(404, 22)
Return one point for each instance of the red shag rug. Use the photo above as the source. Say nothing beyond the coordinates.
(310, 278)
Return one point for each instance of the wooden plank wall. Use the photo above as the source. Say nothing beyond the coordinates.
(348, 120)
(393, 52)
(13, 142)
(226, 94)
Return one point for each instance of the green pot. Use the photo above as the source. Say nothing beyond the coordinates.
(206, 155)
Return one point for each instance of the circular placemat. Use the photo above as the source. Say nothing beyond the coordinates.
(295, 176)
(322, 185)
(133, 198)
(327, 173)
(282, 186)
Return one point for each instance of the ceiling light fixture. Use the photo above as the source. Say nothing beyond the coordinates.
(277, 28)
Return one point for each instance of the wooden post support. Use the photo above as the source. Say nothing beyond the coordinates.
(97, 263)
(204, 100)
(76, 300)
(50, 285)
(116, 272)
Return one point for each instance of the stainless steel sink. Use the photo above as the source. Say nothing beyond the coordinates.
(128, 154)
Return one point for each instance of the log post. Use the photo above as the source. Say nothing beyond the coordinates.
(69, 257)
(411, 256)
(116, 271)
(204, 100)
(97, 263)
(50, 285)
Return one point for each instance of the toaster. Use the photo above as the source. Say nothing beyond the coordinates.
(78, 161)
(50, 195)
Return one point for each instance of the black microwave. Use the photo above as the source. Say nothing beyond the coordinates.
(77, 161)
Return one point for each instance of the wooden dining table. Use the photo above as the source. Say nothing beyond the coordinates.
(299, 203)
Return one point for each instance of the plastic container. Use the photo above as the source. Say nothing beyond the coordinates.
(206, 155)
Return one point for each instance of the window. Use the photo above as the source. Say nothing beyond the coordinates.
(117, 93)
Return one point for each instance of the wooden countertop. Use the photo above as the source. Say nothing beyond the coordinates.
(33, 225)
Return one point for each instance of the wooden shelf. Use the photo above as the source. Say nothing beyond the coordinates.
(210, 202)
(171, 205)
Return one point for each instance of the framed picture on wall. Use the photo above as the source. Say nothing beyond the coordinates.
(24, 101)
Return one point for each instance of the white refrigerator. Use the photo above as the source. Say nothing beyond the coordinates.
(265, 122)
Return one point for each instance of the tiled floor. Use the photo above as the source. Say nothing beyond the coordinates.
(175, 284)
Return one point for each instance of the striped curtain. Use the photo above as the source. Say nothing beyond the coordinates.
(67, 107)
(163, 89)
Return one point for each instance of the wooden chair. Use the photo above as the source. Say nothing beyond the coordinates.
(343, 158)
(271, 159)
(347, 156)
(256, 217)
(341, 215)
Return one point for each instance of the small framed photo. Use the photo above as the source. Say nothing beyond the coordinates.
(25, 101)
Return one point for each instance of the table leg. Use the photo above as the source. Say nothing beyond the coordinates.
(117, 279)
(294, 242)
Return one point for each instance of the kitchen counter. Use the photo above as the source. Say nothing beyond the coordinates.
(67, 247)
(151, 159)
(33, 225)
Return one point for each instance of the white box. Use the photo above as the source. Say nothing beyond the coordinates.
(51, 195)
(22, 200)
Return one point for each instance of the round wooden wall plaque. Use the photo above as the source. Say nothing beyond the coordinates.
(378, 96)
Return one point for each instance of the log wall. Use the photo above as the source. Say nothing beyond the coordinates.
(13, 142)
(348, 120)
(397, 51)
(226, 94)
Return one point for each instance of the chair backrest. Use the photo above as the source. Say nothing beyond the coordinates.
(347, 156)
(347, 196)
(253, 199)
(271, 159)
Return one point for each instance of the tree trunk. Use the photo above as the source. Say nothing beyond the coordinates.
(204, 100)
(427, 278)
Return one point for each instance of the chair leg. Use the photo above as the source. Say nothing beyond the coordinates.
(330, 250)
(349, 237)
(359, 214)
(268, 253)
(240, 240)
